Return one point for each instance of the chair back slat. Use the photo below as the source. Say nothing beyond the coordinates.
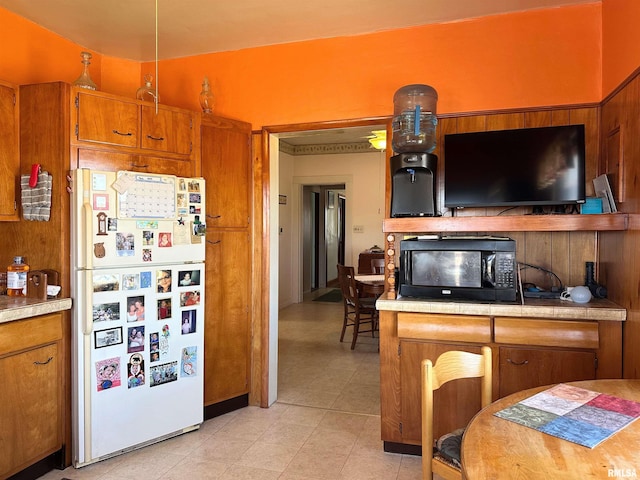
(451, 365)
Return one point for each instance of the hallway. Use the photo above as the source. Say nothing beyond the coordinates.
(324, 426)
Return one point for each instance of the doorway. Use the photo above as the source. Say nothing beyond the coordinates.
(323, 235)
(287, 220)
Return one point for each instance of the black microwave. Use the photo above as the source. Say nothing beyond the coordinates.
(458, 268)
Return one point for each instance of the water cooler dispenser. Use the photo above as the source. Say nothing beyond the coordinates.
(413, 168)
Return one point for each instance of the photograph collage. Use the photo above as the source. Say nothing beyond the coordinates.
(148, 326)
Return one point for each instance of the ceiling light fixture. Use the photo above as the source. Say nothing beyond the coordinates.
(379, 139)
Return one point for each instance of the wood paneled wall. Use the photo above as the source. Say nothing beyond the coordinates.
(563, 253)
(619, 252)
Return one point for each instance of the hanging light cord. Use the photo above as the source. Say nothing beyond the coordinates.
(156, 95)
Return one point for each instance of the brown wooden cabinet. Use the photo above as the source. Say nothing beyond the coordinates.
(226, 159)
(166, 130)
(107, 119)
(107, 160)
(226, 167)
(522, 368)
(527, 352)
(227, 307)
(31, 381)
(364, 262)
(9, 151)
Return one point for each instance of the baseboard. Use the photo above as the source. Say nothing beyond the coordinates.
(40, 468)
(226, 406)
(404, 448)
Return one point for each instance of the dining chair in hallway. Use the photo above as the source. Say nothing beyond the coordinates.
(377, 266)
(358, 310)
(444, 460)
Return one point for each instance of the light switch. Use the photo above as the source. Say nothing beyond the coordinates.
(358, 229)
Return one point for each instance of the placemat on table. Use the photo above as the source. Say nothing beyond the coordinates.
(575, 414)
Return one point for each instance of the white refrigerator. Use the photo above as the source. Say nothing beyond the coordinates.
(138, 249)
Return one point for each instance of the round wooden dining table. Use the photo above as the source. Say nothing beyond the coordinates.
(370, 285)
(496, 448)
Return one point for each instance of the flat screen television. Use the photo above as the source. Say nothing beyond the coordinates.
(521, 167)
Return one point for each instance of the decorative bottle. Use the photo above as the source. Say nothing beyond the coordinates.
(17, 278)
(147, 92)
(206, 97)
(84, 80)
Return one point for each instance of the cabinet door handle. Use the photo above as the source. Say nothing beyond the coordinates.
(213, 216)
(139, 166)
(214, 243)
(524, 362)
(155, 138)
(128, 134)
(43, 363)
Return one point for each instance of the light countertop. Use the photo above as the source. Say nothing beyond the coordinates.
(596, 309)
(19, 308)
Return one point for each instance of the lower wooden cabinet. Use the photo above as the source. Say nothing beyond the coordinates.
(227, 336)
(31, 425)
(527, 352)
(522, 368)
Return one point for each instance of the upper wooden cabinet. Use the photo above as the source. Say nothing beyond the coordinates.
(107, 120)
(168, 130)
(116, 121)
(9, 151)
(226, 157)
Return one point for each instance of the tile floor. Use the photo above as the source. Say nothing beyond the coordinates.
(325, 424)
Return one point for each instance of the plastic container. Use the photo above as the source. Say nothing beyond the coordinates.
(414, 119)
(17, 278)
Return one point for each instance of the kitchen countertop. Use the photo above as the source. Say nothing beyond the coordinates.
(596, 309)
(18, 308)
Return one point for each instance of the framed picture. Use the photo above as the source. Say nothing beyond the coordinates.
(108, 337)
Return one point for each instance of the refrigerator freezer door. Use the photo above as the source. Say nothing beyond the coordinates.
(138, 362)
(129, 218)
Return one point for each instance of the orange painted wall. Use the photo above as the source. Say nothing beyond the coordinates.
(536, 58)
(621, 45)
(32, 54)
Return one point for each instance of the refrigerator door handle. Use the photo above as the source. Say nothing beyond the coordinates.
(87, 314)
(87, 213)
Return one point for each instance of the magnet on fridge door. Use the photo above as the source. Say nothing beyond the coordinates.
(102, 223)
(165, 373)
(189, 361)
(135, 371)
(125, 244)
(135, 339)
(145, 279)
(98, 250)
(108, 373)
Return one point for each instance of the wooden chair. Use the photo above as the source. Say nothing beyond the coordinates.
(449, 366)
(377, 266)
(358, 311)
